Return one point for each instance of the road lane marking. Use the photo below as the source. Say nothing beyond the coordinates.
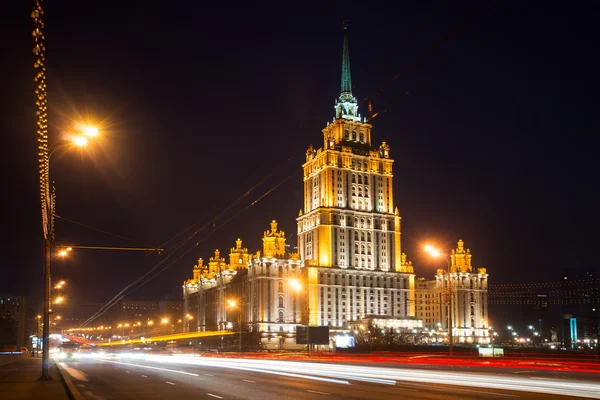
(149, 367)
(128, 372)
(214, 395)
(209, 374)
(246, 380)
(317, 392)
(460, 390)
(144, 376)
(170, 383)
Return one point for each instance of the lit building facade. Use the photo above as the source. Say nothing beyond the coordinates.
(469, 291)
(348, 229)
(349, 269)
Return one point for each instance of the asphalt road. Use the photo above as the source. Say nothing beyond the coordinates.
(142, 379)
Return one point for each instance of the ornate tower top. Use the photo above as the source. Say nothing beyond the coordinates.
(238, 256)
(461, 259)
(274, 242)
(346, 106)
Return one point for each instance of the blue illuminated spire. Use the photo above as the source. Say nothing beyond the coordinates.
(346, 106)
(346, 78)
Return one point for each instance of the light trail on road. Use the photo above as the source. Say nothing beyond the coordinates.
(342, 373)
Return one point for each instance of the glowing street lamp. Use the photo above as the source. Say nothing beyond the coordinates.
(80, 141)
(233, 304)
(436, 253)
(164, 321)
(91, 131)
(59, 300)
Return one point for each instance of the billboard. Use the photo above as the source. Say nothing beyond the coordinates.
(344, 341)
(318, 335)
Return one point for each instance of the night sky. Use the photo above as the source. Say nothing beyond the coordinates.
(492, 121)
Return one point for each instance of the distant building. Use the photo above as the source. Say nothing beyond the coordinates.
(580, 300)
(170, 308)
(429, 301)
(469, 291)
(129, 310)
(13, 322)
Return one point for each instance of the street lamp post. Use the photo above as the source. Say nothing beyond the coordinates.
(233, 304)
(297, 286)
(436, 253)
(48, 229)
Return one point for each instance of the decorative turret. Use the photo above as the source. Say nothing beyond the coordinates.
(198, 270)
(406, 266)
(274, 242)
(461, 259)
(238, 256)
(384, 150)
(216, 265)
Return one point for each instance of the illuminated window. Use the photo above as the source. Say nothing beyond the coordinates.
(353, 135)
(346, 134)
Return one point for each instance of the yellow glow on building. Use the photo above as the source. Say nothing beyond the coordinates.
(325, 247)
(313, 295)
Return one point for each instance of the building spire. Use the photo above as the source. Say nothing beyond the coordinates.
(346, 106)
(346, 77)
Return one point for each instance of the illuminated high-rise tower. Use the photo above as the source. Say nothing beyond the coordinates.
(348, 225)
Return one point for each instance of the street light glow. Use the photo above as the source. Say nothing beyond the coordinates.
(90, 131)
(59, 300)
(295, 284)
(62, 253)
(80, 141)
(164, 321)
(433, 252)
(231, 303)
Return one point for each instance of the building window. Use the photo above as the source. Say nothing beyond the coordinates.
(362, 137)
(281, 302)
(280, 286)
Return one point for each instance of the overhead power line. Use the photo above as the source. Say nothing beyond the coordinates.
(139, 282)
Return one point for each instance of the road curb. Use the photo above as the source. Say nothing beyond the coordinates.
(70, 388)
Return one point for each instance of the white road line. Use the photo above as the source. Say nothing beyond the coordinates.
(461, 390)
(246, 380)
(144, 376)
(149, 367)
(170, 383)
(128, 372)
(214, 395)
(209, 374)
(317, 392)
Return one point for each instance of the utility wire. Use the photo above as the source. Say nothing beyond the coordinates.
(220, 226)
(102, 231)
(123, 292)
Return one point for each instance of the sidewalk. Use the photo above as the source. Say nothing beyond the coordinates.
(19, 380)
